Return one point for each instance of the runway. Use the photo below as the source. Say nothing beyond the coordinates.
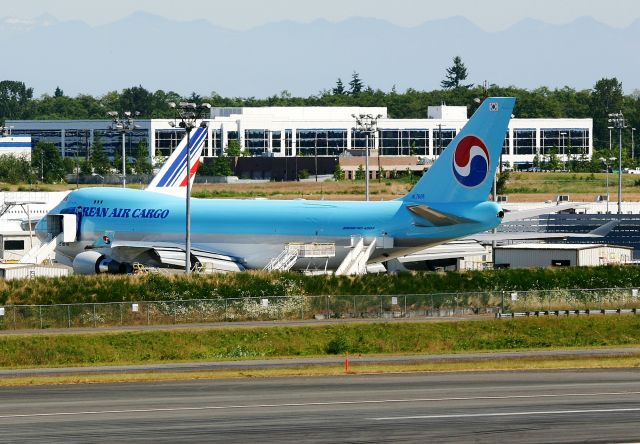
(534, 406)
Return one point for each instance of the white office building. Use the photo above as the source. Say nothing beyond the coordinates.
(319, 131)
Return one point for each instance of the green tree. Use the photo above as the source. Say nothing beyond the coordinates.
(142, 164)
(606, 97)
(554, 161)
(501, 183)
(15, 98)
(339, 88)
(338, 173)
(455, 75)
(15, 169)
(360, 173)
(356, 84)
(47, 161)
(98, 157)
(222, 167)
(58, 92)
(234, 149)
(138, 99)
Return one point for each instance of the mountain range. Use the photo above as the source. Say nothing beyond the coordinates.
(305, 58)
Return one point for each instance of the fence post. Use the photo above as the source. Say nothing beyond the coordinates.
(381, 312)
(94, 316)
(121, 313)
(328, 312)
(225, 309)
(406, 313)
(69, 314)
(40, 314)
(147, 306)
(15, 309)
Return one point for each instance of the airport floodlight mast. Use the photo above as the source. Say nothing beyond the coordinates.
(123, 125)
(366, 123)
(188, 113)
(617, 121)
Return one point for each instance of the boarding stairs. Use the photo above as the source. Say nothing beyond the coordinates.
(356, 260)
(40, 253)
(285, 260)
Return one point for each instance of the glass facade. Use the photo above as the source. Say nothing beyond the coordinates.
(167, 140)
(77, 143)
(442, 138)
(112, 141)
(256, 141)
(524, 141)
(404, 142)
(564, 140)
(328, 142)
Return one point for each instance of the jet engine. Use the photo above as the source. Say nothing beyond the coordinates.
(92, 262)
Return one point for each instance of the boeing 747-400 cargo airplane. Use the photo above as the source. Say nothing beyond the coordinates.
(109, 229)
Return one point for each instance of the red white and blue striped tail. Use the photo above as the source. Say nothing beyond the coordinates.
(172, 177)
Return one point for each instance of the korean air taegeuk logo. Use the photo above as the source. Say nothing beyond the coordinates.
(471, 161)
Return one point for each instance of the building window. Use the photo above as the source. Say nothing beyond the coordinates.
(505, 144)
(167, 140)
(442, 138)
(524, 141)
(288, 142)
(13, 245)
(256, 141)
(276, 141)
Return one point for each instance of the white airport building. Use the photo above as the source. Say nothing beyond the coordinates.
(318, 131)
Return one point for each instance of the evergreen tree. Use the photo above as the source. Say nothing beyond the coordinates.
(360, 173)
(58, 92)
(339, 89)
(338, 173)
(356, 84)
(98, 157)
(142, 164)
(456, 74)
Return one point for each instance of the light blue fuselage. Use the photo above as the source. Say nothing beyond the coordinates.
(254, 231)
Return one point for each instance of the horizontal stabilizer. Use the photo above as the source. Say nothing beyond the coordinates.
(438, 218)
(512, 216)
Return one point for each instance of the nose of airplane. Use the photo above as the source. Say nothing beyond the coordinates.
(41, 229)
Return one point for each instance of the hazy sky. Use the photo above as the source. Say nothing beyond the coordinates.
(242, 14)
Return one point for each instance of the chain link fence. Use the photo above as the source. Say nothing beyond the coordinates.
(310, 307)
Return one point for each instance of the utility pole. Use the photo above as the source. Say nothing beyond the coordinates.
(617, 120)
(188, 113)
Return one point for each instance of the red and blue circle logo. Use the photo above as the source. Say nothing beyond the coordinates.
(471, 161)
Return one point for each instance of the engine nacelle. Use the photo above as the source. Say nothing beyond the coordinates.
(92, 262)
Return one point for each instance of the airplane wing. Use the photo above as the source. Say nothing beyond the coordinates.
(165, 254)
(601, 231)
(511, 215)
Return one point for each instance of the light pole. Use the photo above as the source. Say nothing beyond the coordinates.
(366, 123)
(617, 120)
(123, 125)
(606, 165)
(633, 146)
(188, 113)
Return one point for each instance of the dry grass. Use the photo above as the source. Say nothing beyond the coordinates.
(354, 369)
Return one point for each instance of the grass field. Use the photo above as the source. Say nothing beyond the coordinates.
(522, 187)
(119, 348)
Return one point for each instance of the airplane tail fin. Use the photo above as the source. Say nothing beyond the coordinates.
(172, 177)
(465, 169)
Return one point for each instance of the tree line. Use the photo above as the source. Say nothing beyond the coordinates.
(18, 102)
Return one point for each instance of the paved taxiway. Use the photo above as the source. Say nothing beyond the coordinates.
(533, 406)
